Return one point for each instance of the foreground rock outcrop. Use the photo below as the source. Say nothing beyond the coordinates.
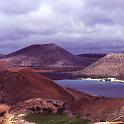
(39, 105)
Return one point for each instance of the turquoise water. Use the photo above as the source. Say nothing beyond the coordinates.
(98, 88)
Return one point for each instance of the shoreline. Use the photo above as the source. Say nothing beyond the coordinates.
(103, 80)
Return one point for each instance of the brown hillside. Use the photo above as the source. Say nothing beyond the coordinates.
(23, 85)
(4, 65)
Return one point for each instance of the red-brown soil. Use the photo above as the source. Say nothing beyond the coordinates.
(4, 65)
(99, 109)
(23, 85)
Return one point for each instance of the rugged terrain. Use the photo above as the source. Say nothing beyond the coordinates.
(26, 91)
(109, 66)
(86, 106)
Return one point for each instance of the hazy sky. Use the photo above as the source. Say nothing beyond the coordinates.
(77, 25)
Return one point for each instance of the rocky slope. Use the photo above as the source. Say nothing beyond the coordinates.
(43, 55)
(89, 107)
(23, 85)
(109, 66)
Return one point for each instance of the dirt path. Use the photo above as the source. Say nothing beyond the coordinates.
(73, 93)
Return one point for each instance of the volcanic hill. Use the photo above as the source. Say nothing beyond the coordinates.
(24, 85)
(109, 66)
(44, 55)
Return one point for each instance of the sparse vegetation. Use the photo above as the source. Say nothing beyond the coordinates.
(39, 118)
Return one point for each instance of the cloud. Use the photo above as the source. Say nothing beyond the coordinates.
(78, 25)
(18, 7)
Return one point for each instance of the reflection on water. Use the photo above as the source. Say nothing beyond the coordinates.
(107, 89)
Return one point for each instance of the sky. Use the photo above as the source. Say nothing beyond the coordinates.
(77, 25)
